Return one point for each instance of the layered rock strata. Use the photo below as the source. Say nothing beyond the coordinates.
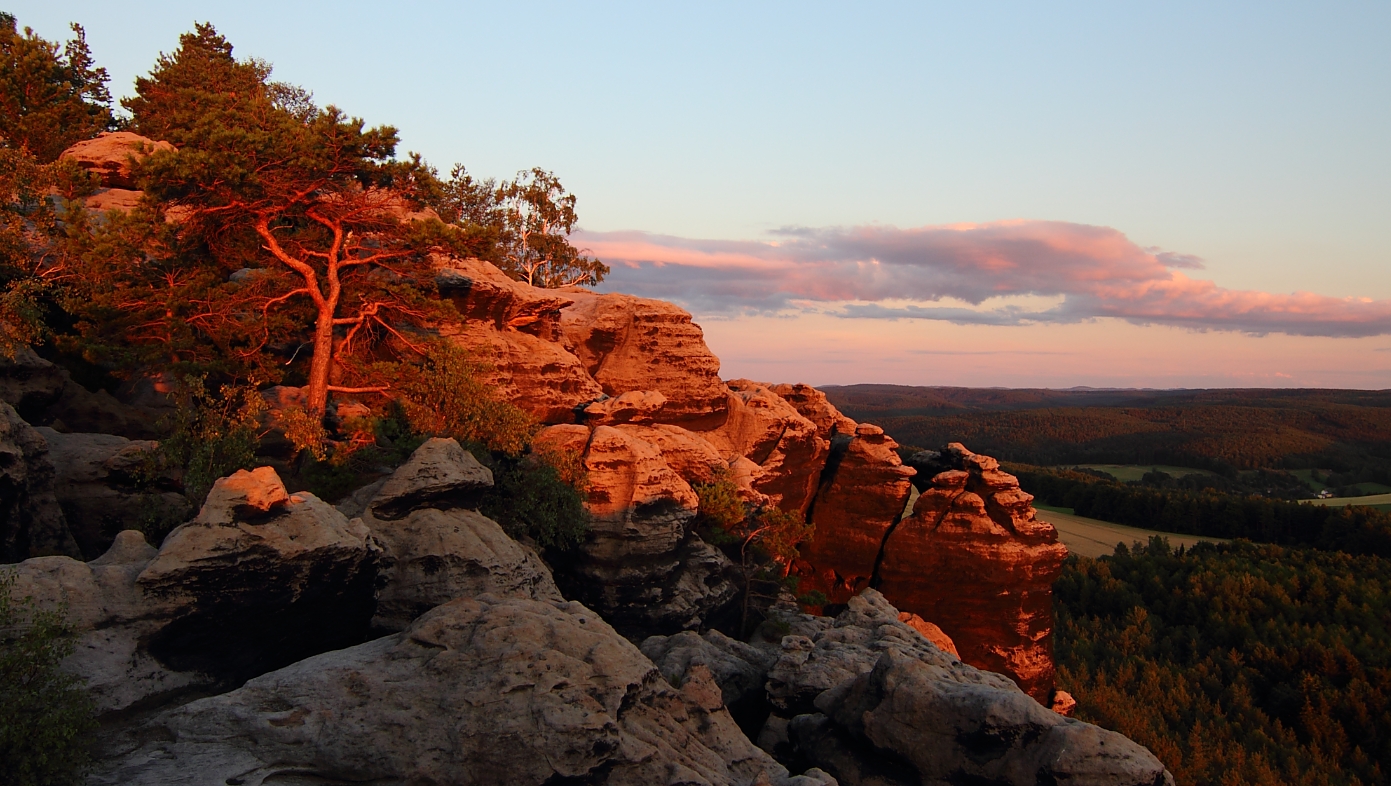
(974, 560)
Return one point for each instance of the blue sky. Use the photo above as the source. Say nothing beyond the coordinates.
(1252, 136)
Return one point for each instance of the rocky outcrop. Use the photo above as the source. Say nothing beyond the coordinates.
(862, 497)
(780, 450)
(440, 474)
(973, 559)
(112, 156)
(478, 691)
(31, 521)
(813, 405)
(641, 567)
(515, 330)
(100, 487)
(264, 578)
(436, 550)
(260, 579)
(632, 343)
(867, 698)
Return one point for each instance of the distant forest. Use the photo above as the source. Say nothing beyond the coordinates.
(1345, 431)
(1235, 664)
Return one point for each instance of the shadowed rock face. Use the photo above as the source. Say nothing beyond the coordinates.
(31, 521)
(478, 691)
(867, 698)
(861, 499)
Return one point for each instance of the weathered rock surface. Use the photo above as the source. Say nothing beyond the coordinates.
(783, 452)
(979, 733)
(440, 474)
(813, 405)
(515, 329)
(930, 632)
(111, 618)
(97, 487)
(641, 566)
(631, 343)
(439, 553)
(640, 407)
(46, 395)
(867, 698)
(261, 578)
(973, 559)
(478, 691)
(31, 521)
(112, 156)
(861, 499)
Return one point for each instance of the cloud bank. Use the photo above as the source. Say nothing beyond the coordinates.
(981, 271)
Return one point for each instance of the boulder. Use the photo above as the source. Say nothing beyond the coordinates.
(978, 733)
(440, 474)
(112, 156)
(861, 499)
(867, 698)
(973, 559)
(478, 691)
(813, 405)
(685, 452)
(262, 578)
(98, 485)
(933, 634)
(631, 343)
(434, 555)
(31, 520)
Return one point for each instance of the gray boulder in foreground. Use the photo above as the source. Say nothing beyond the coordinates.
(433, 556)
(870, 700)
(479, 691)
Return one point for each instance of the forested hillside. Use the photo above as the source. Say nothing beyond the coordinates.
(1235, 664)
(1347, 431)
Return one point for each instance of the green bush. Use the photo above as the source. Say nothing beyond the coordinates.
(45, 714)
(210, 436)
(531, 498)
(442, 395)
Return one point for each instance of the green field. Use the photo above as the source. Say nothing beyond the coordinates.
(1093, 538)
(1127, 473)
(1379, 501)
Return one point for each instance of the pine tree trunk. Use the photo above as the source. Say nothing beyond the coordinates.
(321, 362)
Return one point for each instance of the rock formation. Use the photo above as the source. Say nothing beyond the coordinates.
(860, 501)
(31, 521)
(435, 550)
(98, 487)
(867, 698)
(974, 560)
(478, 691)
(641, 566)
(632, 343)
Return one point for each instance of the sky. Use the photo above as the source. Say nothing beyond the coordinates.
(984, 194)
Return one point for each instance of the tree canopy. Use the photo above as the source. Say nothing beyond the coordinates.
(49, 98)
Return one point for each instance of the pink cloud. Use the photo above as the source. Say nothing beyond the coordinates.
(1097, 271)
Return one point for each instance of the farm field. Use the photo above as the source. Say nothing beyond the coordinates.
(1382, 501)
(1093, 538)
(1127, 473)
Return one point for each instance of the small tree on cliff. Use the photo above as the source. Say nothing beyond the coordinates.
(537, 216)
